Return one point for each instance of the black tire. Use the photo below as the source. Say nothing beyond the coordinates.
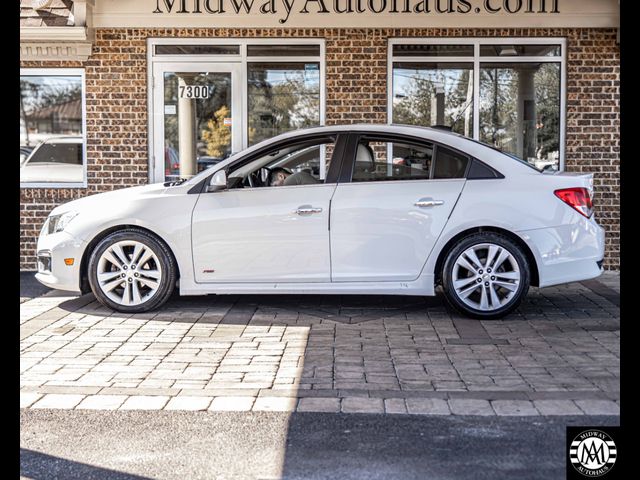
(162, 252)
(480, 238)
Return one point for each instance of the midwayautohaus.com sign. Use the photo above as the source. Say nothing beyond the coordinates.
(284, 8)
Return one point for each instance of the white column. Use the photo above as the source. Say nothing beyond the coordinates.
(186, 129)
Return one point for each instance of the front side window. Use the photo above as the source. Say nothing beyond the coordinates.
(304, 163)
(505, 92)
(51, 127)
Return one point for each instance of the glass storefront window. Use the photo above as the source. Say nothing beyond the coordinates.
(430, 94)
(51, 127)
(197, 50)
(432, 50)
(205, 108)
(199, 103)
(519, 50)
(268, 50)
(282, 97)
(514, 102)
(520, 110)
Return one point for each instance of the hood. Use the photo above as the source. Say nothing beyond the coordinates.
(91, 201)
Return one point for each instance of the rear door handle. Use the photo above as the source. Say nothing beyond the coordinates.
(308, 210)
(428, 202)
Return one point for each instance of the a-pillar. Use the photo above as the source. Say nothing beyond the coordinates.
(186, 128)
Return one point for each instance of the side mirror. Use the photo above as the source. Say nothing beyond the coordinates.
(218, 181)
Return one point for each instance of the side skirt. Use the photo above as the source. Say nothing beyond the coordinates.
(424, 285)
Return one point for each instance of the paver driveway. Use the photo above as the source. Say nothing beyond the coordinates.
(558, 355)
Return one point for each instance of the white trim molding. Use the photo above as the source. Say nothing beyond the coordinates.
(55, 43)
(43, 51)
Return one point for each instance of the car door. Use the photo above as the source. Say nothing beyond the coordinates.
(395, 200)
(267, 233)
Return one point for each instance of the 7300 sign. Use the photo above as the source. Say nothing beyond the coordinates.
(194, 91)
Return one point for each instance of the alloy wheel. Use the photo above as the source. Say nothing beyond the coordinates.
(129, 272)
(486, 276)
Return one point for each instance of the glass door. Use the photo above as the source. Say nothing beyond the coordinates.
(197, 117)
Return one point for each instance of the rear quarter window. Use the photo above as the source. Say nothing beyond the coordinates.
(449, 164)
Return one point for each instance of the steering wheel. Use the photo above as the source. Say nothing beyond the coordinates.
(254, 178)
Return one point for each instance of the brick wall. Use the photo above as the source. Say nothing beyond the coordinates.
(356, 76)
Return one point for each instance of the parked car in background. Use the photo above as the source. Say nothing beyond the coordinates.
(24, 153)
(172, 162)
(206, 161)
(401, 210)
(58, 160)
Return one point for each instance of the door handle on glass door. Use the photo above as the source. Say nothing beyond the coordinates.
(308, 210)
(428, 202)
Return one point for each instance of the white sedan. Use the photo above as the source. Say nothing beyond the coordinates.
(354, 209)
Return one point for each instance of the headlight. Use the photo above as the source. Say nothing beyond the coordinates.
(57, 223)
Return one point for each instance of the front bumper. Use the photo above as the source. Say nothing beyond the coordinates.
(52, 251)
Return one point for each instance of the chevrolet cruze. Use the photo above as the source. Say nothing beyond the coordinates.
(354, 209)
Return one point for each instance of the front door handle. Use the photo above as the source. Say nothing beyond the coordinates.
(428, 202)
(308, 210)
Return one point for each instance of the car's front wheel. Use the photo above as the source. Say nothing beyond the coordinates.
(485, 275)
(131, 271)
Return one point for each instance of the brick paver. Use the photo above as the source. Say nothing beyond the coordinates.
(558, 353)
(472, 406)
(102, 402)
(232, 404)
(362, 405)
(514, 407)
(55, 400)
(320, 404)
(189, 403)
(145, 402)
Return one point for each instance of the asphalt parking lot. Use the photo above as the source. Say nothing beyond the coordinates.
(557, 355)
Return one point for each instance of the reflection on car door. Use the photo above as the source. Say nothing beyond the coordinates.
(385, 230)
(268, 234)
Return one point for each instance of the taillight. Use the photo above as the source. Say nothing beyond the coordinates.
(577, 198)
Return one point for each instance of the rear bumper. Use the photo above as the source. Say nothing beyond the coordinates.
(568, 253)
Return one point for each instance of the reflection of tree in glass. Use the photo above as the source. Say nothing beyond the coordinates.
(547, 82)
(43, 95)
(499, 108)
(280, 105)
(50, 102)
(217, 136)
(413, 103)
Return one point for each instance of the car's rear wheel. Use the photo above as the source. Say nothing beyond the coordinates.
(131, 271)
(485, 275)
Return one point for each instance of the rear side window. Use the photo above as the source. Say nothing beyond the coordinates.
(449, 164)
(385, 161)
